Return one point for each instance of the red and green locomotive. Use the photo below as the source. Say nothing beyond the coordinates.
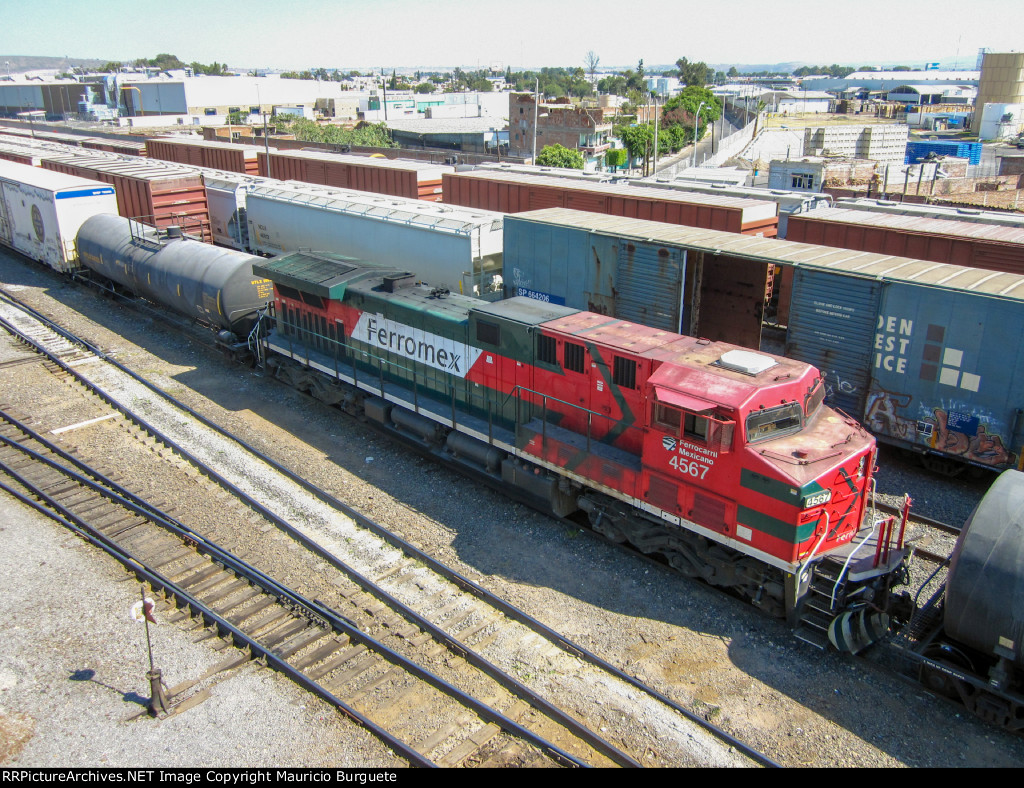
(721, 460)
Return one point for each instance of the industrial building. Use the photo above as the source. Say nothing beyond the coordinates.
(886, 143)
(1002, 82)
(531, 127)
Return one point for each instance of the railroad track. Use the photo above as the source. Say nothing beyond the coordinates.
(431, 603)
(234, 601)
(926, 532)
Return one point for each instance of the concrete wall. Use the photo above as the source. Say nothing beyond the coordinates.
(1002, 82)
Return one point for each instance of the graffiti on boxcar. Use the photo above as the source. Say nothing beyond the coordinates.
(882, 414)
(965, 435)
(945, 429)
(836, 384)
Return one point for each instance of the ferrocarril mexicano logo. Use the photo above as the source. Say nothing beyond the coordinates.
(455, 358)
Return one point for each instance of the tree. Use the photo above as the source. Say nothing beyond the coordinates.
(616, 158)
(732, 72)
(616, 85)
(682, 109)
(591, 61)
(373, 135)
(699, 74)
(559, 156)
(638, 139)
(424, 87)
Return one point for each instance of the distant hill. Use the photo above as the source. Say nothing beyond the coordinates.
(22, 63)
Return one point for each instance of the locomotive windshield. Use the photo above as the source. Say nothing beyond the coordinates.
(774, 422)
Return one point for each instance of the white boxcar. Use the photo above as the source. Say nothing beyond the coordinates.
(443, 245)
(41, 211)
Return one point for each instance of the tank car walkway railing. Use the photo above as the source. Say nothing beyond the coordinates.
(145, 229)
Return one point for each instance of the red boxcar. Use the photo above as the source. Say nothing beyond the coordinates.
(417, 180)
(991, 247)
(120, 147)
(147, 191)
(514, 192)
(202, 153)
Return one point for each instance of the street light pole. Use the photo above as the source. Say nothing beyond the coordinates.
(695, 119)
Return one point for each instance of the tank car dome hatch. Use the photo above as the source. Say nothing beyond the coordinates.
(747, 362)
(985, 587)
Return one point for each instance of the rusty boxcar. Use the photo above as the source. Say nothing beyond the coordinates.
(397, 177)
(202, 153)
(515, 192)
(146, 191)
(943, 240)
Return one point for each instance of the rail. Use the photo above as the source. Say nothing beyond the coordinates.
(460, 580)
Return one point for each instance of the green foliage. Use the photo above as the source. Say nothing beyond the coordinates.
(110, 68)
(674, 138)
(554, 82)
(371, 135)
(616, 85)
(681, 110)
(559, 156)
(615, 158)
(424, 87)
(163, 61)
(215, 69)
(297, 75)
(234, 118)
(638, 139)
(835, 70)
(699, 74)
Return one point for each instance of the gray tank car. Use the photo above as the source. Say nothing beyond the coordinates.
(974, 651)
(985, 587)
(209, 283)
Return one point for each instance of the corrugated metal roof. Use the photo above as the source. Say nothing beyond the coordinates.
(47, 180)
(424, 169)
(143, 169)
(920, 224)
(626, 190)
(249, 151)
(437, 216)
(779, 252)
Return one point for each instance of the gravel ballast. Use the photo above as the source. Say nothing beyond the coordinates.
(709, 653)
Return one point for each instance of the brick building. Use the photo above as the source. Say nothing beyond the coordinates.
(558, 122)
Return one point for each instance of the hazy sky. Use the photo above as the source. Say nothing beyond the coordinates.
(516, 33)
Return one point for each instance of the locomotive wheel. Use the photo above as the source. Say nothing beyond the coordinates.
(940, 682)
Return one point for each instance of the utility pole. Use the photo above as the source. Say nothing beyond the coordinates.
(656, 113)
(536, 115)
(266, 144)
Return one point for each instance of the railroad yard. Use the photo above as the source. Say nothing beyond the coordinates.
(72, 676)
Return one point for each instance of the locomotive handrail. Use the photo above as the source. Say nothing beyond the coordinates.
(547, 397)
(824, 533)
(849, 558)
